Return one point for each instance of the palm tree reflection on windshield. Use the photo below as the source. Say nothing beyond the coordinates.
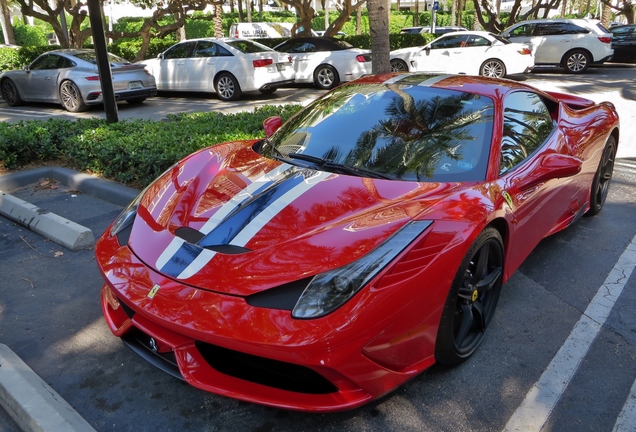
(417, 134)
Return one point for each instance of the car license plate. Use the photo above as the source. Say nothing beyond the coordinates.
(281, 66)
(134, 85)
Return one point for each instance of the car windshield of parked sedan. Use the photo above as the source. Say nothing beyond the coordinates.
(248, 46)
(399, 131)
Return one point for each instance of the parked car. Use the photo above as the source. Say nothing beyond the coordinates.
(226, 66)
(466, 52)
(359, 243)
(427, 29)
(573, 44)
(70, 77)
(624, 43)
(324, 61)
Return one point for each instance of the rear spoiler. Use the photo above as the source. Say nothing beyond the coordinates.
(572, 101)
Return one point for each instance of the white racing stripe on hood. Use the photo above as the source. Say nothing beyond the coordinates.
(247, 233)
(243, 196)
(172, 248)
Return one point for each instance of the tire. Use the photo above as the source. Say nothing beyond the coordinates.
(71, 97)
(10, 93)
(398, 65)
(602, 178)
(326, 77)
(493, 68)
(472, 299)
(136, 101)
(268, 90)
(227, 87)
(576, 61)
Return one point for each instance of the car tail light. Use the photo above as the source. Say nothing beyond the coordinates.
(605, 39)
(262, 62)
(290, 59)
(92, 78)
(363, 58)
(147, 72)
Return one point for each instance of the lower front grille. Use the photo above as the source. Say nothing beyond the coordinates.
(261, 370)
(141, 344)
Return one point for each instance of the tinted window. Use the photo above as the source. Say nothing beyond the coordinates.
(179, 51)
(248, 46)
(296, 47)
(523, 30)
(449, 42)
(527, 124)
(402, 130)
(574, 29)
(51, 61)
(205, 49)
(548, 29)
(477, 41)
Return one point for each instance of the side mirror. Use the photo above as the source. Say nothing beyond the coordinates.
(271, 125)
(160, 56)
(551, 166)
(26, 68)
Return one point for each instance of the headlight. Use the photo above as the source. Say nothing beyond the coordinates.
(328, 291)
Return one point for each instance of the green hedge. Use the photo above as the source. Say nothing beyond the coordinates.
(132, 152)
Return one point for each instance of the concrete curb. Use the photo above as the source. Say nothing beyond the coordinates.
(62, 231)
(31, 402)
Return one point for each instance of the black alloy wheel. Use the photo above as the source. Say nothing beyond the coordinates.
(10, 93)
(472, 299)
(398, 65)
(602, 178)
(71, 97)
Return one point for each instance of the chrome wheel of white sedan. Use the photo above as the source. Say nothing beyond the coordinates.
(493, 68)
(71, 97)
(227, 87)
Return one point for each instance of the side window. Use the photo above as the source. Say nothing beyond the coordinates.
(549, 29)
(574, 29)
(205, 49)
(64, 63)
(179, 51)
(46, 62)
(527, 125)
(449, 42)
(523, 30)
(477, 41)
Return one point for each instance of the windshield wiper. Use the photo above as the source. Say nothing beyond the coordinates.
(338, 167)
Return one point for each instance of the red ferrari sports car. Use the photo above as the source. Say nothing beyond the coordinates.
(362, 241)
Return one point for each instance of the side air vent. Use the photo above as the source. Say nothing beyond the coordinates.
(193, 236)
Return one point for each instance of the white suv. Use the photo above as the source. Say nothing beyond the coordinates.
(571, 43)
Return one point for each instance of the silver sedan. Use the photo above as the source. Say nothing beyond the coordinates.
(70, 77)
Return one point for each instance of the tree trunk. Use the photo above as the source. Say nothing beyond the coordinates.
(359, 22)
(606, 15)
(7, 27)
(248, 8)
(379, 29)
(453, 16)
(416, 15)
(326, 6)
(240, 11)
(218, 20)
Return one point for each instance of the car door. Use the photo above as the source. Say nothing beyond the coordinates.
(172, 74)
(442, 55)
(530, 139)
(201, 66)
(552, 40)
(472, 54)
(304, 56)
(40, 83)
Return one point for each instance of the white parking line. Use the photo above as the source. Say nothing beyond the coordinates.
(626, 421)
(535, 409)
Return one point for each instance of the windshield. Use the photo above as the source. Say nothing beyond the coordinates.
(400, 130)
(92, 57)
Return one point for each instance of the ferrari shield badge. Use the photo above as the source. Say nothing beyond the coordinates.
(153, 291)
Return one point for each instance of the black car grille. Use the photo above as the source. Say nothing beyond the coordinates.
(268, 372)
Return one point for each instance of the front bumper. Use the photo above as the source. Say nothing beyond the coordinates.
(219, 343)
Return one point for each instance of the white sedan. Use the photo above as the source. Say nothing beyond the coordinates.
(326, 62)
(225, 66)
(466, 52)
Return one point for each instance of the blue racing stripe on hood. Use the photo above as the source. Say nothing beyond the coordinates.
(230, 226)
(181, 259)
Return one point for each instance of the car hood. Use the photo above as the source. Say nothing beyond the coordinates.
(229, 220)
(403, 51)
